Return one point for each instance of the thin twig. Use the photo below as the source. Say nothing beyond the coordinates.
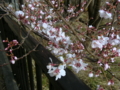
(72, 29)
(28, 52)
(113, 75)
(4, 64)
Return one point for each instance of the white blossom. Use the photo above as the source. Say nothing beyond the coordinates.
(96, 44)
(90, 26)
(78, 65)
(91, 74)
(53, 2)
(61, 58)
(70, 55)
(106, 66)
(104, 14)
(114, 49)
(57, 71)
(70, 10)
(10, 6)
(99, 87)
(112, 60)
(30, 5)
(48, 17)
(118, 52)
(19, 14)
(114, 42)
(100, 42)
(110, 82)
(15, 58)
(49, 67)
(45, 25)
(12, 61)
(41, 12)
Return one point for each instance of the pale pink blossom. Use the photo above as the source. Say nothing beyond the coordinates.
(61, 58)
(70, 55)
(97, 44)
(107, 3)
(49, 66)
(99, 88)
(78, 65)
(91, 27)
(15, 58)
(103, 40)
(41, 12)
(53, 2)
(114, 49)
(10, 6)
(6, 48)
(100, 42)
(15, 42)
(5, 40)
(99, 61)
(12, 61)
(91, 74)
(19, 14)
(45, 25)
(96, 75)
(70, 10)
(106, 66)
(104, 14)
(118, 52)
(58, 72)
(30, 5)
(112, 60)
(110, 82)
(114, 41)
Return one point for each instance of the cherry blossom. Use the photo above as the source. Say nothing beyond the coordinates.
(112, 60)
(105, 14)
(106, 66)
(54, 70)
(70, 10)
(98, 73)
(57, 71)
(10, 7)
(102, 44)
(118, 52)
(61, 58)
(99, 88)
(96, 44)
(111, 82)
(12, 61)
(91, 74)
(78, 65)
(19, 14)
(15, 42)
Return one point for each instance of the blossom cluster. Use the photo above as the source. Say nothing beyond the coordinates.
(56, 71)
(99, 43)
(102, 41)
(9, 49)
(59, 43)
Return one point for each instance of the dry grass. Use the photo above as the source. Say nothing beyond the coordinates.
(103, 78)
